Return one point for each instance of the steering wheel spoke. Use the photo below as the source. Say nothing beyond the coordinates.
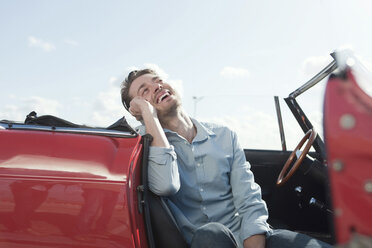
(284, 176)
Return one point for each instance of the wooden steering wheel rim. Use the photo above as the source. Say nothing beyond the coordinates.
(310, 136)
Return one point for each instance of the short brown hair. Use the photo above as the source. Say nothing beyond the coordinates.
(125, 86)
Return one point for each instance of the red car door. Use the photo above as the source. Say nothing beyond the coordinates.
(348, 136)
(61, 189)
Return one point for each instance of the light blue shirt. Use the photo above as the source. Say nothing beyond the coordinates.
(208, 180)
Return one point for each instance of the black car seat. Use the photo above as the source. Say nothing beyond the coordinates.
(165, 230)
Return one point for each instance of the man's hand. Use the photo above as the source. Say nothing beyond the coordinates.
(144, 111)
(255, 241)
(140, 107)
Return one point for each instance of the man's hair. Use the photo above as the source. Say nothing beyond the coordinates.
(125, 86)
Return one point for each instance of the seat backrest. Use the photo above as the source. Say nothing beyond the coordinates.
(165, 231)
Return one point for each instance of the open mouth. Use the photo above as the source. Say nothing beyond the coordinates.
(163, 96)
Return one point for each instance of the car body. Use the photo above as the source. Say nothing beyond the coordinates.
(65, 185)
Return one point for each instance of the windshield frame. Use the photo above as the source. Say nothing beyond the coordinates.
(297, 111)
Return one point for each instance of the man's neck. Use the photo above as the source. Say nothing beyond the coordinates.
(181, 124)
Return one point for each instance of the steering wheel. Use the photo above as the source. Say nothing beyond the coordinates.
(310, 136)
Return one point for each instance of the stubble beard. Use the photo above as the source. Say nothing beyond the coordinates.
(172, 111)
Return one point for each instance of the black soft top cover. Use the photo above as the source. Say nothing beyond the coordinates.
(53, 121)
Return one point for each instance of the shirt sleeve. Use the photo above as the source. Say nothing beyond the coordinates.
(164, 179)
(247, 195)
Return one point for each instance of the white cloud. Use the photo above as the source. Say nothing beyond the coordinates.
(259, 129)
(367, 64)
(362, 69)
(256, 130)
(132, 68)
(113, 80)
(22, 106)
(345, 47)
(158, 70)
(234, 72)
(152, 66)
(71, 42)
(316, 118)
(363, 74)
(35, 42)
(42, 105)
(107, 107)
(312, 65)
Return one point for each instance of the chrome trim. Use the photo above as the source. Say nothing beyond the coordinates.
(312, 201)
(298, 189)
(90, 131)
(316, 79)
(4, 125)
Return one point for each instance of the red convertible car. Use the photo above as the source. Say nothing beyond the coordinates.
(68, 185)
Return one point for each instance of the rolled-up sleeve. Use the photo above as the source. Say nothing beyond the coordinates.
(164, 179)
(247, 195)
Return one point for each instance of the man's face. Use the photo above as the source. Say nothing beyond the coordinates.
(158, 93)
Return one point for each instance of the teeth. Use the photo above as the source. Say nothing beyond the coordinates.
(163, 96)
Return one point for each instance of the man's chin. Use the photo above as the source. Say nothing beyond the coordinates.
(169, 111)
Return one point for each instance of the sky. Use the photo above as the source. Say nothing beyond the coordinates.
(227, 58)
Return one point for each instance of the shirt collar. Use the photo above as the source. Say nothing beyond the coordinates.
(202, 132)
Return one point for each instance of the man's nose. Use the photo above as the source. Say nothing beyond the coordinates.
(157, 87)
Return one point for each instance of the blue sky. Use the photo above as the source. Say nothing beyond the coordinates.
(68, 58)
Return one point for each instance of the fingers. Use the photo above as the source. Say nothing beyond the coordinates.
(135, 113)
(137, 102)
(140, 106)
(134, 110)
(136, 107)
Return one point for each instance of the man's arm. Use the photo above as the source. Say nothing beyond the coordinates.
(247, 199)
(163, 169)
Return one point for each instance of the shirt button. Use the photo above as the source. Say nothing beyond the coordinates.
(201, 189)
(198, 164)
(204, 208)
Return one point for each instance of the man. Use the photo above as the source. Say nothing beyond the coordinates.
(202, 170)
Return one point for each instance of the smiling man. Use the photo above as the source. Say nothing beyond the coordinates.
(202, 171)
